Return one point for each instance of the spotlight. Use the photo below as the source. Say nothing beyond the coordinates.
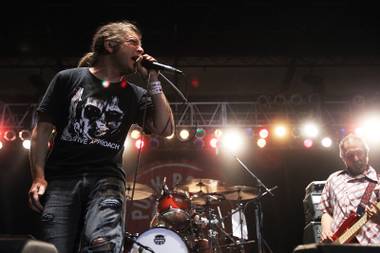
(24, 135)
(199, 143)
(170, 136)
(370, 126)
(232, 140)
(310, 130)
(1, 144)
(26, 144)
(154, 142)
(184, 135)
(326, 142)
(249, 131)
(359, 131)
(139, 144)
(308, 143)
(214, 142)
(261, 143)
(280, 131)
(200, 133)
(135, 134)
(263, 133)
(218, 133)
(9, 135)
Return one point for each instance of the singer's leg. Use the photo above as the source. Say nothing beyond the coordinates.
(104, 222)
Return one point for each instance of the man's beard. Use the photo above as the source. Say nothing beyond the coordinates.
(357, 168)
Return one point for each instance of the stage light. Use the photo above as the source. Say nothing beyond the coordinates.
(371, 126)
(308, 143)
(249, 131)
(184, 135)
(154, 142)
(359, 131)
(310, 130)
(261, 143)
(135, 134)
(263, 133)
(24, 135)
(214, 142)
(232, 140)
(1, 144)
(139, 144)
(9, 135)
(199, 143)
(326, 142)
(26, 144)
(218, 133)
(106, 83)
(170, 136)
(280, 131)
(200, 133)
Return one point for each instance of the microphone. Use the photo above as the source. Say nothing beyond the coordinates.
(159, 66)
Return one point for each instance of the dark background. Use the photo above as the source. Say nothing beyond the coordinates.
(341, 38)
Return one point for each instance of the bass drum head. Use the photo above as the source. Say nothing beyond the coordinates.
(160, 240)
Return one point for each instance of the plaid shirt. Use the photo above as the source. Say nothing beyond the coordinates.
(342, 194)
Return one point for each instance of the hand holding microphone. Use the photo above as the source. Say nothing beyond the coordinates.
(149, 63)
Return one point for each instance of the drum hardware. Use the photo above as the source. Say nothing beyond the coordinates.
(203, 185)
(257, 206)
(201, 199)
(142, 191)
(241, 192)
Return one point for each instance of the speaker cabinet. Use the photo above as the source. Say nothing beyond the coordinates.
(333, 248)
(312, 232)
(24, 244)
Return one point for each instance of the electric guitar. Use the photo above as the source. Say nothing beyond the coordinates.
(350, 227)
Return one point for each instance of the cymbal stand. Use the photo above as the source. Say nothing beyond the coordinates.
(258, 209)
(212, 233)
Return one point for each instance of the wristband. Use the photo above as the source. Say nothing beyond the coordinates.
(154, 88)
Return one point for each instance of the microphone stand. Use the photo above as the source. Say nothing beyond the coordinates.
(258, 211)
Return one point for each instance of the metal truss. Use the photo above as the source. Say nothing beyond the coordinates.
(17, 115)
(264, 111)
(223, 61)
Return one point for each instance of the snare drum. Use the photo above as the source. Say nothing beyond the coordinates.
(160, 240)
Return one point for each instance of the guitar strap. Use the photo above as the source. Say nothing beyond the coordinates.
(365, 198)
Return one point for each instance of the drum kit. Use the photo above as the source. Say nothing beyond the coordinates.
(188, 217)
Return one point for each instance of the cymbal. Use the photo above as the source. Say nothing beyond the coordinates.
(202, 199)
(142, 191)
(203, 185)
(241, 192)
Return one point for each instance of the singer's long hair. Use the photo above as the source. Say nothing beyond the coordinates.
(114, 32)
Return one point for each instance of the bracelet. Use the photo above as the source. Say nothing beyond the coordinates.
(154, 88)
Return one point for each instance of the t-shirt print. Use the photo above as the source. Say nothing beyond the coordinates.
(93, 120)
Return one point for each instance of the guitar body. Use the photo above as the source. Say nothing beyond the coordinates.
(347, 224)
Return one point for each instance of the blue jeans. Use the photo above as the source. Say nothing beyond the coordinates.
(85, 214)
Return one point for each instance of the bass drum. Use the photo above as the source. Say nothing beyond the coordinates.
(160, 240)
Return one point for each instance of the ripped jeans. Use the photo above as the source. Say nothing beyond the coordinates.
(85, 214)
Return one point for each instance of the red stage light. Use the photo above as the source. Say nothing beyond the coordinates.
(139, 144)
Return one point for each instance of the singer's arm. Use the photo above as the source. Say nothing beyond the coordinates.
(160, 118)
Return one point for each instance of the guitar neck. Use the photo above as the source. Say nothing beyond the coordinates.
(354, 229)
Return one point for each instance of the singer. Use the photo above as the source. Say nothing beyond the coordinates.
(78, 184)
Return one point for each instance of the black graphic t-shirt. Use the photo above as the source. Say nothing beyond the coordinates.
(92, 118)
